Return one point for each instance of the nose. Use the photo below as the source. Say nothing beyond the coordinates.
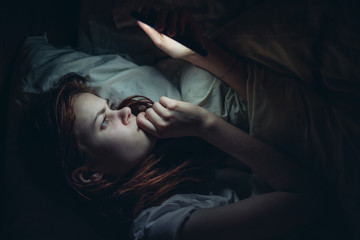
(124, 114)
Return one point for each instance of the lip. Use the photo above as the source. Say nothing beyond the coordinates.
(133, 119)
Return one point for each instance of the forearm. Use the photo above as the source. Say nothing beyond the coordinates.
(223, 65)
(280, 171)
(172, 118)
(266, 216)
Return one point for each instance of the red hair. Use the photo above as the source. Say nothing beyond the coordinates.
(172, 167)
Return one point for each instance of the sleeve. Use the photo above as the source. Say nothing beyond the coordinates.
(164, 221)
(204, 89)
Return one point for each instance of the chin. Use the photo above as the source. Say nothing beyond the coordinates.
(153, 140)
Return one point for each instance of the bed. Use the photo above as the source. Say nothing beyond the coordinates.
(303, 92)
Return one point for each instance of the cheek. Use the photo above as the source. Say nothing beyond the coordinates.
(124, 146)
(118, 154)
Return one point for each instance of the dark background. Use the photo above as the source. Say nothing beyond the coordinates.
(28, 214)
(18, 19)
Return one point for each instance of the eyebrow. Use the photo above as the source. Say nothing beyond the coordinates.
(102, 111)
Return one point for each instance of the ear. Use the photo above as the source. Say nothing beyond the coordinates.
(84, 175)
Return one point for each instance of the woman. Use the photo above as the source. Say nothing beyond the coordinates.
(122, 156)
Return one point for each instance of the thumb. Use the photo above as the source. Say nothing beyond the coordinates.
(154, 35)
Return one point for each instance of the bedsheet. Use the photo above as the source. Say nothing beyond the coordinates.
(304, 82)
(304, 92)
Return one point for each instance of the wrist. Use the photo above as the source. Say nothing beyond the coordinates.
(208, 122)
(195, 57)
(218, 61)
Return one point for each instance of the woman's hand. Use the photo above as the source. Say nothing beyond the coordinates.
(175, 23)
(172, 118)
(217, 61)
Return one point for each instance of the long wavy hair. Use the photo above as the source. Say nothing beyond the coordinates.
(180, 165)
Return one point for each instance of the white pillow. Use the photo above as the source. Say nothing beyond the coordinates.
(41, 66)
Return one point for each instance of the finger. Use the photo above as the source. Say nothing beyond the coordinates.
(182, 22)
(161, 20)
(161, 111)
(169, 103)
(172, 23)
(199, 38)
(145, 124)
(155, 119)
(189, 25)
(160, 40)
(151, 32)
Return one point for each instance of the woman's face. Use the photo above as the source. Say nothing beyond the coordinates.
(113, 138)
